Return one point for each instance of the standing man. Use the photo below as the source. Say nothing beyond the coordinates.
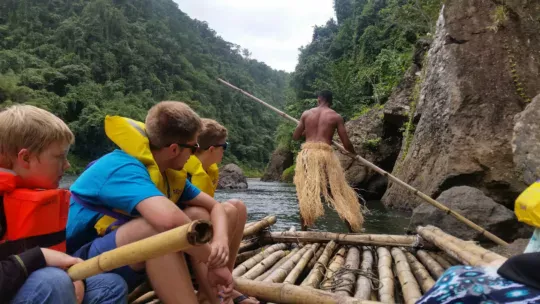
(318, 170)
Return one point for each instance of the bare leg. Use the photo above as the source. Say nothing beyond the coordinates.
(237, 218)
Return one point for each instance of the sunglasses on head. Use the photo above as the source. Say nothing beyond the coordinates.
(193, 148)
(221, 145)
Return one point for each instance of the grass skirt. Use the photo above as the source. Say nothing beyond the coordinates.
(318, 173)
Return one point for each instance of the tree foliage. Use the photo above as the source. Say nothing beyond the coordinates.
(84, 59)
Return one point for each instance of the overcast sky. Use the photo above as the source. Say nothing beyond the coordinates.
(273, 30)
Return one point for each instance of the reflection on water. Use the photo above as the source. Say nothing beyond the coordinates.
(265, 198)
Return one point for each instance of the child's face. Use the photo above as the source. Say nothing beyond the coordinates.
(217, 152)
(44, 170)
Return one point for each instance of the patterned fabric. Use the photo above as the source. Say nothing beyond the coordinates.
(466, 284)
(534, 242)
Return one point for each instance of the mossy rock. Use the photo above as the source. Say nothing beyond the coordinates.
(288, 174)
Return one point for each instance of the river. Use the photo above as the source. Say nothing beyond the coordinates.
(265, 198)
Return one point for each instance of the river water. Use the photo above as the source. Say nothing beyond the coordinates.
(279, 199)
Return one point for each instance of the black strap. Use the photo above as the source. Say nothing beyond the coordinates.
(8, 248)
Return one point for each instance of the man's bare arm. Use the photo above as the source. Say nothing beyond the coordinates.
(299, 131)
(342, 132)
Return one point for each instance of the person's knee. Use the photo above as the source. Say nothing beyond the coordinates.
(52, 282)
(231, 211)
(240, 207)
(197, 213)
(106, 288)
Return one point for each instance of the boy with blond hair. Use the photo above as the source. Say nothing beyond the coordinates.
(139, 190)
(33, 212)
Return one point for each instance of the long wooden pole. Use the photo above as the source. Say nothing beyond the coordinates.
(391, 177)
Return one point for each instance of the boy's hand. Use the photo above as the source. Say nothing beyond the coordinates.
(222, 279)
(79, 291)
(219, 255)
(58, 259)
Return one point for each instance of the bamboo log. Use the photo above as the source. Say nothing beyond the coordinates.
(297, 270)
(291, 294)
(178, 239)
(139, 291)
(391, 177)
(420, 272)
(278, 264)
(386, 276)
(316, 274)
(250, 263)
(349, 278)
(248, 245)
(341, 238)
(441, 260)
(260, 225)
(451, 248)
(316, 257)
(147, 297)
(281, 273)
(244, 256)
(448, 258)
(409, 286)
(337, 262)
(264, 264)
(363, 283)
(431, 264)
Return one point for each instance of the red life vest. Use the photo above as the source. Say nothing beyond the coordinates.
(31, 217)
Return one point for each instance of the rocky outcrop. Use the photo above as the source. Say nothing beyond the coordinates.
(526, 142)
(232, 177)
(478, 208)
(280, 160)
(481, 69)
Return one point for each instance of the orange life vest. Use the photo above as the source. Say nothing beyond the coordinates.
(31, 217)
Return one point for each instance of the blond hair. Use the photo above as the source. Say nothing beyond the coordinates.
(170, 122)
(212, 133)
(29, 127)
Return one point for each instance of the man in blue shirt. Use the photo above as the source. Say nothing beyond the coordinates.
(125, 183)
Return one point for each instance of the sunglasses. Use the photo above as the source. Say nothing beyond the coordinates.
(225, 145)
(193, 148)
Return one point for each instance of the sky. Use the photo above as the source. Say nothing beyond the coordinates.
(272, 30)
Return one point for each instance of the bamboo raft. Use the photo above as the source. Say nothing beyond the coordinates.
(322, 267)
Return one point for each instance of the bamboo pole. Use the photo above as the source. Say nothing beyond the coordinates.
(451, 248)
(363, 283)
(250, 263)
(431, 264)
(448, 258)
(139, 291)
(297, 270)
(391, 177)
(179, 239)
(348, 279)
(315, 275)
(248, 245)
(386, 276)
(263, 265)
(260, 225)
(278, 264)
(409, 286)
(291, 294)
(281, 273)
(337, 262)
(246, 255)
(420, 272)
(147, 297)
(341, 238)
(441, 260)
(316, 257)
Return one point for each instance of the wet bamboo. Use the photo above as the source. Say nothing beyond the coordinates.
(452, 249)
(431, 264)
(283, 260)
(291, 294)
(420, 272)
(341, 238)
(391, 177)
(316, 274)
(441, 260)
(409, 286)
(264, 265)
(139, 291)
(348, 279)
(337, 262)
(297, 270)
(363, 282)
(147, 297)
(386, 276)
(178, 239)
(250, 263)
(279, 275)
(260, 225)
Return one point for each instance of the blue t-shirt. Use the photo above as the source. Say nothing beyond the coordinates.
(117, 180)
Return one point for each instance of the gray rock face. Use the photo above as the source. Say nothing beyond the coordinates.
(526, 142)
(280, 160)
(475, 82)
(477, 207)
(232, 177)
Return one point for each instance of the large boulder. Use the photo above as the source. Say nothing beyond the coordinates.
(480, 72)
(526, 142)
(477, 207)
(232, 177)
(280, 160)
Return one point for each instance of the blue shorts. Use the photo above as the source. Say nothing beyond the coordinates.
(103, 244)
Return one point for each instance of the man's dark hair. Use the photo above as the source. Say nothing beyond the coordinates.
(326, 95)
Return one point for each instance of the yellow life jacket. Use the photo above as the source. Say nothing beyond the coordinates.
(130, 136)
(206, 181)
(527, 206)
